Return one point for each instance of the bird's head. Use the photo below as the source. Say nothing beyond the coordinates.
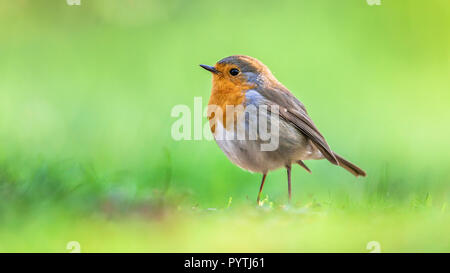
(240, 71)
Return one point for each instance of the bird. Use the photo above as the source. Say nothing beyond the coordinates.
(244, 81)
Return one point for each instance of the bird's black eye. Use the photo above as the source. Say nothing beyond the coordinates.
(234, 71)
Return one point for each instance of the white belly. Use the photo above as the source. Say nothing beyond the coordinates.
(248, 154)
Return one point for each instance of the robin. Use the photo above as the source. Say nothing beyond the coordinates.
(245, 81)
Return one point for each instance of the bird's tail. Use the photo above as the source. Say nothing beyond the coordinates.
(355, 170)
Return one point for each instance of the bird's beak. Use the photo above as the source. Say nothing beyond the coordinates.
(210, 68)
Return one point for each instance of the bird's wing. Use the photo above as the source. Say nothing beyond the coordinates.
(294, 112)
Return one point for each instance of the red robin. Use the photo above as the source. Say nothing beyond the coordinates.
(244, 81)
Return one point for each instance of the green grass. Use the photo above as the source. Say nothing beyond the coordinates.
(67, 202)
(86, 153)
(148, 228)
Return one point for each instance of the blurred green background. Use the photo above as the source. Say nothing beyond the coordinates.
(86, 152)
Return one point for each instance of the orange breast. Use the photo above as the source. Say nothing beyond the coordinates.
(223, 93)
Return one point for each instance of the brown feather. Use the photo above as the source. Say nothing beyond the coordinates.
(299, 162)
(355, 170)
(293, 111)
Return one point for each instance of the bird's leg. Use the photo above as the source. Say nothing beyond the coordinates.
(288, 167)
(260, 188)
